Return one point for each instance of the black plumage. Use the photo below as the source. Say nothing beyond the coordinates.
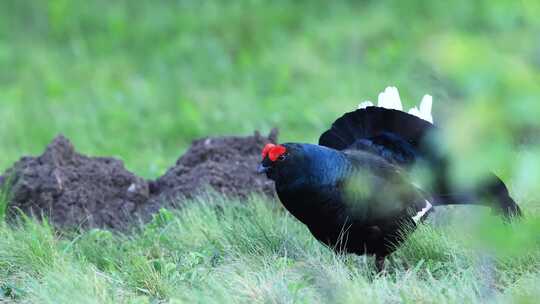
(354, 191)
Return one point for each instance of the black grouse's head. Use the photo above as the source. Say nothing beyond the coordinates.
(281, 161)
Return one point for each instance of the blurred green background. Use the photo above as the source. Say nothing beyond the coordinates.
(140, 79)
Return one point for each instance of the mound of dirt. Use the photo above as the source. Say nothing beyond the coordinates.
(74, 190)
(226, 164)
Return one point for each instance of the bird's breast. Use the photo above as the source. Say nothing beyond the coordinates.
(314, 206)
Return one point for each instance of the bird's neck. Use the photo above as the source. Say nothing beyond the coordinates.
(307, 194)
(321, 167)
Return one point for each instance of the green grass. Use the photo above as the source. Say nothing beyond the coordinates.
(140, 80)
(4, 199)
(222, 251)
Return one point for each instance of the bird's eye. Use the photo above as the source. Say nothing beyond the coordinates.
(282, 157)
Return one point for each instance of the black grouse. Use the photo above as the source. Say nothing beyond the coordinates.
(355, 191)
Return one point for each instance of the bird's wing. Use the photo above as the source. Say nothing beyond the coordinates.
(402, 139)
(376, 191)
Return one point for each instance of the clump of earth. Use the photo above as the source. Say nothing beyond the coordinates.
(74, 190)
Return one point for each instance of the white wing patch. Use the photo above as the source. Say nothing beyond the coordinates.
(422, 212)
(390, 99)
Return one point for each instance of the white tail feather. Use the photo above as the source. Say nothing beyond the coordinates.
(365, 104)
(390, 99)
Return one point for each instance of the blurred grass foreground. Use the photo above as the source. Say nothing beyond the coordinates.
(139, 80)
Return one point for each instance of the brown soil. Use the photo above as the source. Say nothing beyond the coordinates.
(74, 190)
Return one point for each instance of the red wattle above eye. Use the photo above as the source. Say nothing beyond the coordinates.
(267, 149)
(273, 151)
(276, 152)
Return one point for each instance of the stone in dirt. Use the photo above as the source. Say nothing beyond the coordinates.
(74, 190)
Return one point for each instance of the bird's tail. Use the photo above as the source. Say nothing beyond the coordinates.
(371, 122)
(407, 140)
(491, 192)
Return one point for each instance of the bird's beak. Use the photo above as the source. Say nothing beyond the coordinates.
(262, 168)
